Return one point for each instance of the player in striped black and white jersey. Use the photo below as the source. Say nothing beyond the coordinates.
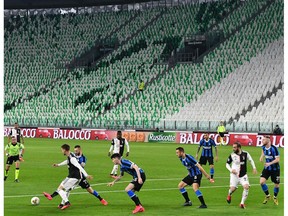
(271, 168)
(238, 171)
(75, 174)
(117, 147)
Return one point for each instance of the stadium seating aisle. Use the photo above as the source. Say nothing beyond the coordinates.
(237, 92)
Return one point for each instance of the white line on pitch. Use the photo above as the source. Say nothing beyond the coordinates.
(117, 191)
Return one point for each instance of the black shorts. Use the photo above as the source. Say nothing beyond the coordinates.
(221, 134)
(203, 160)
(189, 180)
(275, 175)
(11, 159)
(84, 184)
(138, 186)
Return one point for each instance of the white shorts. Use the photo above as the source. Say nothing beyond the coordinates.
(69, 183)
(235, 180)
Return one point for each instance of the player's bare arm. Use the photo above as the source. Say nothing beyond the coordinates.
(262, 156)
(116, 180)
(197, 152)
(216, 154)
(203, 171)
(136, 168)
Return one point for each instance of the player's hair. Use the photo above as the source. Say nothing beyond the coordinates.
(77, 146)
(65, 147)
(180, 149)
(238, 144)
(267, 136)
(115, 155)
(16, 123)
(119, 132)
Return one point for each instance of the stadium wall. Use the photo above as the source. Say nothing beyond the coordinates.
(246, 139)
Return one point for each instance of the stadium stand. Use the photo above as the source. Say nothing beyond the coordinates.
(105, 94)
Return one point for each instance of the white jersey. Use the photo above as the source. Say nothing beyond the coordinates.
(239, 163)
(117, 145)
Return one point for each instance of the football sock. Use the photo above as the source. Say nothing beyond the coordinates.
(97, 195)
(54, 194)
(212, 172)
(265, 189)
(134, 197)
(114, 170)
(17, 173)
(276, 191)
(230, 192)
(6, 172)
(200, 197)
(185, 194)
(63, 195)
(244, 195)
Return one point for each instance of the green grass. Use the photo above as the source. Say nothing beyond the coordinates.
(159, 194)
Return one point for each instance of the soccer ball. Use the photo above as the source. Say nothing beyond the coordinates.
(35, 201)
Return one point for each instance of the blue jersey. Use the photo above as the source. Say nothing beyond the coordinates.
(207, 147)
(126, 166)
(81, 159)
(270, 155)
(190, 163)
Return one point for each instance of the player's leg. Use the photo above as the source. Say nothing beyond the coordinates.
(181, 186)
(131, 188)
(130, 191)
(211, 164)
(275, 177)
(114, 171)
(67, 186)
(244, 195)
(196, 184)
(265, 176)
(7, 169)
(84, 184)
(233, 187)
(17, 170)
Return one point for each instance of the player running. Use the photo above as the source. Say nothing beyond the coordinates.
(238, 172)
(13, 151)
(207, 153)
(117, 146)
(136, 184)
(193, 178)
(75, 174)
(84, 184)
(271, 168)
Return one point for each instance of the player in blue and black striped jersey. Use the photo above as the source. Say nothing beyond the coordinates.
(271, 168)
(136, 184)
(84, 184)
(207, 153)
(193, 178)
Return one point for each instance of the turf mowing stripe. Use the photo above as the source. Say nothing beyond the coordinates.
(117, 191)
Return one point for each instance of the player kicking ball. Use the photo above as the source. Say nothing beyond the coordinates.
(137, 182)
(75, 174)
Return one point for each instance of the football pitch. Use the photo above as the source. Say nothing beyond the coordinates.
(159, 195)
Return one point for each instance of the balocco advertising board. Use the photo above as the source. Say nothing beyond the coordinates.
(246, 139)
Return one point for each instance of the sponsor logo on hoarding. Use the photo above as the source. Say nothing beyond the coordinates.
(194, 138)
(277, 141)
(162, 137)
(72, 134)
